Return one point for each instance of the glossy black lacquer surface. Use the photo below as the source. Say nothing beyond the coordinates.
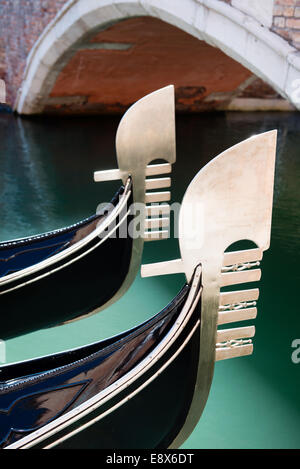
(19, 254)
(79, 283)
(36, 392)
(153, 416)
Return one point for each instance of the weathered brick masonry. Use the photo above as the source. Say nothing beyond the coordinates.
(286, 20)
(22, 22)
(148, 54)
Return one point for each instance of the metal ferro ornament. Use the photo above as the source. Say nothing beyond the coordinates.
(146, 133)
(233, 197)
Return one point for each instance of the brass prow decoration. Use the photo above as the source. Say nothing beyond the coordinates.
(229, 200)
(146, 133)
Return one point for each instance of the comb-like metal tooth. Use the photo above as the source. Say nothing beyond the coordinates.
(151, 223)
(115, 174)
(2, 91)
(158, 183)
(236, 315)
(240, 267)
(107, 175)
(235, 333)
(152, 197)
(156, 235)
(233, 352)
(227, 298)
(239, 257)
(240, 305)
(162, 268)
(234, 278)
(156, 169)
(156, 210)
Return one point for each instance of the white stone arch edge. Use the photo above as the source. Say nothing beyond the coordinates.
(241, 37)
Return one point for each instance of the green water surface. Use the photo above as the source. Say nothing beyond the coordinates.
(46, 182)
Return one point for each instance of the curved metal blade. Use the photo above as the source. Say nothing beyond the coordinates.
(230, 200)
(146, 133)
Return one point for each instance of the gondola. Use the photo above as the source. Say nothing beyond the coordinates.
(147, 387)
(91, 264)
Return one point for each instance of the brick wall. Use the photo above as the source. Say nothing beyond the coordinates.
(21, 23)
(286, 20)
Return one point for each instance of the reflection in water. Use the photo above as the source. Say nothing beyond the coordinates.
(47, 166)
(45, 172)
(25, 191)
(46, 169)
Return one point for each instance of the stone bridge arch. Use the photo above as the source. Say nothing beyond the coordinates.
(239, 35)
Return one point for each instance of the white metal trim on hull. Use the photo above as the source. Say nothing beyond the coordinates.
(121, 384)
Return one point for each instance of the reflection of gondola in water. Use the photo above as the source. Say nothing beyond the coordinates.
(72, 272)
(147, 387)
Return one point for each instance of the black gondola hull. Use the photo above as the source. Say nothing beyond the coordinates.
(70, 288)
(149, 420)
(130, 391)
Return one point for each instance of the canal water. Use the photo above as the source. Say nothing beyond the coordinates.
(46, 182)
